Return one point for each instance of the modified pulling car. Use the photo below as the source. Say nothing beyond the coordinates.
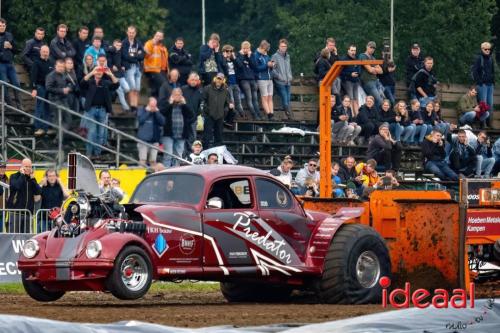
(232, 224)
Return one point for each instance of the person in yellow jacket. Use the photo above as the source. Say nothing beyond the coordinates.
(367, 175)
(155, 62)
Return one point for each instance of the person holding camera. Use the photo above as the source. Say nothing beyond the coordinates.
(23, 192)
(435, 157)
(98, 89)
(178, 117)
(484, 155)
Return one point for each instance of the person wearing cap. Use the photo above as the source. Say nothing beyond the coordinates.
(283, 172)
(483, 73)
(384, 149)
(216, 100)
(414, 63)
(196, 157)
(368, 76)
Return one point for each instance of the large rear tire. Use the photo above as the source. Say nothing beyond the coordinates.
(36, 291)
(355, 262)
(132, 274)
(254, 292)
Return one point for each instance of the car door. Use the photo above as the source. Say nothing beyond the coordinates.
(225, 225)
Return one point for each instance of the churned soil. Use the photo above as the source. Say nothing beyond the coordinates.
(181, 309)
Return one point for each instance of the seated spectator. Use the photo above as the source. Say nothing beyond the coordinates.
(116, 185)
(155, 62)
(496, 155)
(212, 158)
(462, 155)
(283, 172)
(405, 121)
(384, 149)
(311, 187)
(350, 191)
(177, 127)
(484, 154)
(180, 59)
(353, 129)
(350, 78)
(470, 110)
(369, 74)
(151, 122)
(196, 157)
(340, 129)
(53, 193)
(443, 126)
(389, 116)
(388, 182)
(430, 117)
(368, 118)
(434, 156)
(421, 129)
(347, 172)
(366, 173)
(425, 83)
(338, 192)
(309, 170)
(95, 49)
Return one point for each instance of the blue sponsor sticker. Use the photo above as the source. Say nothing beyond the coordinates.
(160, 246)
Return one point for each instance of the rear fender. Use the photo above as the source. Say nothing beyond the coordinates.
(323, 234)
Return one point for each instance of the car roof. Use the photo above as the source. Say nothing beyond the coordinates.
(212, 171)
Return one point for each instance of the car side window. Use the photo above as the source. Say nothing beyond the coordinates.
(232, 193)
(271, 195)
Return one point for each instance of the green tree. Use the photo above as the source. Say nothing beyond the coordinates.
(449, 30)
(114, 16)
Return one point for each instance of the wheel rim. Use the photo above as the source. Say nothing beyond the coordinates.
(368, 269)
(134, 272)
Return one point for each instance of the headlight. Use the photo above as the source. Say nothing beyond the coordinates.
(93, 249)
(30, 248)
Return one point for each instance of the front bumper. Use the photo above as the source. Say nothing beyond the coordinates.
(49, 270)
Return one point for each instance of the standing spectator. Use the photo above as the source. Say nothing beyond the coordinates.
(388, 115)
(180, 59)
(384, 149)
(73, 84)
(38, 73)
(263, 68)
(216, 99)
(387, 78)
(150, 123)
(463, 155)
(369, 74)
(470, 110)
(4, 179)
(7, 69)
(32, 48)
(483, 74)
(193, 95)
(60, 46)
(23, 192)
(245, 65)
(114, 59)
(282, 75)
(53, 193)
(333, 56)
(57, 91)
(308, 171)
(284, 171)
(425, 83)
(322, 65)
(434, 156)
(88, 66)
(97, 105)
(350, 78)
(348, 129)
(413, 64)
(178, 117)
(416, 117)
(232, 80)
(166, 88)
(132, 57)
(155, 62)
(409, 127)
(99, 32)
(81, 44)
(211, 61)
(95, 50)
(484, 155)
(368, 118)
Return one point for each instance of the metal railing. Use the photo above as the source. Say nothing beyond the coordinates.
(17, 221)
(61, 131)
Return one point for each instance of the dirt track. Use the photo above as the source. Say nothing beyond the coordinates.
(177, 309)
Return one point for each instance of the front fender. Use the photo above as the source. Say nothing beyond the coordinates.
(114, 243)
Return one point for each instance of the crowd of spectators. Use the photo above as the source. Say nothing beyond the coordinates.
(87, 73)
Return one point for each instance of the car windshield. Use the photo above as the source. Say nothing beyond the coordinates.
(165, 188)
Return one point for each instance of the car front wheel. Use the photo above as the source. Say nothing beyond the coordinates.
(36, 291)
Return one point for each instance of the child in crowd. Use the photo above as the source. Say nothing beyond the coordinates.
(196, 157)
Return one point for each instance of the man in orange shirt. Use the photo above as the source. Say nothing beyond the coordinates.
(155, 62)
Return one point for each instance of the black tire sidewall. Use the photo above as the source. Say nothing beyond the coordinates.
(36, 291)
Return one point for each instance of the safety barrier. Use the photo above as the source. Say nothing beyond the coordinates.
(17, 221)
(42, 222)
